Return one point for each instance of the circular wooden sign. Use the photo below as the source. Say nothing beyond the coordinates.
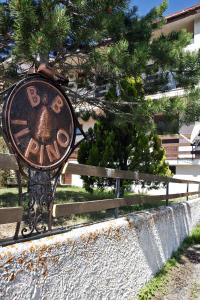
(39, 123)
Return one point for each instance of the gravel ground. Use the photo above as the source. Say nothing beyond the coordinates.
(184, 283)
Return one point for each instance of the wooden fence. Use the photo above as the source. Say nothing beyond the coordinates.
(15, 214)
(66, 209)
(11, 214)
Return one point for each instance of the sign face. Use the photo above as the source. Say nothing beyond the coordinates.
(39, 123)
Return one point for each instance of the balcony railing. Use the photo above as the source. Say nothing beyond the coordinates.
(161, 82)
(177, 149)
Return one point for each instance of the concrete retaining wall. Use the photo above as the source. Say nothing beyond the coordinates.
(109, 260)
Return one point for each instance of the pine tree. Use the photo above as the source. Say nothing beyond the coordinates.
(131, 145)
(103, 42)
(99, 41)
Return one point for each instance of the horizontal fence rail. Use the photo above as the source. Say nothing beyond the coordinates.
(87, 170)
(15, 214)
(67, 209)
(10, 214)
(8, 162)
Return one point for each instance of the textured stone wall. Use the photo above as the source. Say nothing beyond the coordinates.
(109, 260)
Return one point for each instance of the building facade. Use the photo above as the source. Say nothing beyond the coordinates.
(182, 144)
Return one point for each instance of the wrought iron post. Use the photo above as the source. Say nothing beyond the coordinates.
(117, 194)
(187, 191)
(40, 198)
(167, 194)
(19, 183)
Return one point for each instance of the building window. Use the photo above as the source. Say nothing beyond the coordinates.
(166, 124)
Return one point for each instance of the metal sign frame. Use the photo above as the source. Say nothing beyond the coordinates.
(38, 78)
(41, 189)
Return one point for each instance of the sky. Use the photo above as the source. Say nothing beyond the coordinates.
(173, 5)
